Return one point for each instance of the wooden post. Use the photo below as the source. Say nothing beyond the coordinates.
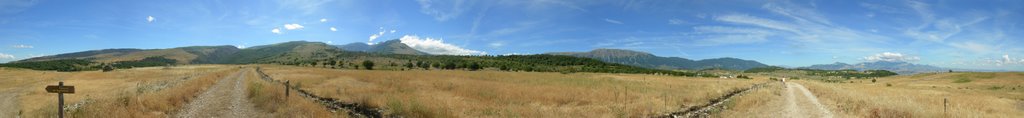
(60, 89)
(287, 83)
(60, 101)
(945, 107)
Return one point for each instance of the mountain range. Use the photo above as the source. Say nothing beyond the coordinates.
(894, 66)
(647, 60)
(386, 47)
(295, 51)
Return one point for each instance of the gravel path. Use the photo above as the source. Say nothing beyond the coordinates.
(804, 106)
(227, 98)
(9, 104)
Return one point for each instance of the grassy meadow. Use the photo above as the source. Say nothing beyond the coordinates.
(446, 93)
(140, 92)
(971, 94)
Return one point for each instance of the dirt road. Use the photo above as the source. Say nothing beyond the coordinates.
(801, 103)
(227, 98)
(9, 104)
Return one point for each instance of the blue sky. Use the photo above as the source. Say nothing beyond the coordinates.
(959, 33)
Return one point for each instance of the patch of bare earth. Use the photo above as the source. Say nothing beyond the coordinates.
(801, 103)
(8, 104)
(226, 98)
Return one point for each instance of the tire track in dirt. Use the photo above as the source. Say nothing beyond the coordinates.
(226, 98)
(807, 106)
(9, 104)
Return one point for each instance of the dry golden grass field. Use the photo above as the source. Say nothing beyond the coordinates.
(442, 93)
(160, 92)
(140, 92)
(973, 95)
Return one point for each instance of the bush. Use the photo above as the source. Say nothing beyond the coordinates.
(873, 80)
(888, 84)
(961, 80)
(367, 64)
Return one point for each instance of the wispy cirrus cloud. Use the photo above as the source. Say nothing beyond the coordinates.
(444, 10)
(15, 6)
(22, 46)
(612, 21)
(891, 57)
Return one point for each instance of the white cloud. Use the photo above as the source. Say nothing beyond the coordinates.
(6, 56)
(436, 46)
(239, 46)
(149, 19)
(612, 21)
(891, 57)
(373, 37)
(379, 34)
(293, 26)
(973, 47)
(323, 20)
(276, 31)
(22, 46)
(496, 44)
(677, 22)
(334, 29)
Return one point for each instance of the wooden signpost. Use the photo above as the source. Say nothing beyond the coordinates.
(60, 89)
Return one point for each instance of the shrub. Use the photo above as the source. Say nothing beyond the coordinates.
(961, 80)
(888, 84)
(873, 80)
(367, 64)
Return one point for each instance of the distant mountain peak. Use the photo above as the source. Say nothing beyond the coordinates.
(900, 67)
(393, 46)
(648, 60)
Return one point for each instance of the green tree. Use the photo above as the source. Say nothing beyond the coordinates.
(368, 64)
(449, 65)
(474, 66)
(408, 65)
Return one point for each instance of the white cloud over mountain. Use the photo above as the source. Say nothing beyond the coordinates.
(6, 56)
(891, 57)
(436, 46)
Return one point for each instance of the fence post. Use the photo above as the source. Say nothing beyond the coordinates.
(286, 89)
(945, 105)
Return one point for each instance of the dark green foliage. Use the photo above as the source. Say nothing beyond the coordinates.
(408, 65)
(764, 69)
(743, 77)
(474, 66)
(368, 65)
(146, 62)
(873, 80)
(56, 65)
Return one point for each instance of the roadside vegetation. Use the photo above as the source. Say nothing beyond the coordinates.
(449, 93)
(270, 98)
